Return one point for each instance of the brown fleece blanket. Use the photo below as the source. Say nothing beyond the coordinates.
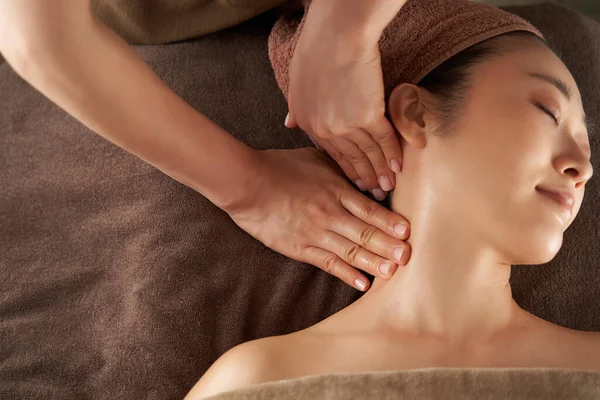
(118, 282)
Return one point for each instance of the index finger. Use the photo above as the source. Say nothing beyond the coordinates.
(385, 135)
(375, 214)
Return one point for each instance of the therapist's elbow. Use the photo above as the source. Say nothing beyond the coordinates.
(17, 59)
(33, 30)
(15, 48)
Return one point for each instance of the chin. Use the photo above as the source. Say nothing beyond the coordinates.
(540, 251)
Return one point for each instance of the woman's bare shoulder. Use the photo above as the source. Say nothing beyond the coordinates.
(246, 364)
(581, 349)
(590, 341)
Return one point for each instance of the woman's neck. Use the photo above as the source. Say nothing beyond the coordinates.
(454, 289)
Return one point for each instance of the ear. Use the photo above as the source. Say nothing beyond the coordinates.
(407, 112)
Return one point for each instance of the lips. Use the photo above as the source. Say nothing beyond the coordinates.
(562, 197)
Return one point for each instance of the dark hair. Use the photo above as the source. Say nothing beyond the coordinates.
(450, 81)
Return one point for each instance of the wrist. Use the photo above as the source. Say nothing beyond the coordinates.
(238, 187)
(363, 21)
(208, 159)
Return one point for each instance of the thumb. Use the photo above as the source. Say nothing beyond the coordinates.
(290, 120)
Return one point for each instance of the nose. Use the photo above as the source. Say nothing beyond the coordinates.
(574, 164)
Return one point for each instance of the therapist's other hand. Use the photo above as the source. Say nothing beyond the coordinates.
(304, 208)
(336, 95)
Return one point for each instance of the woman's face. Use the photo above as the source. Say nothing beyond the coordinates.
(505, 147)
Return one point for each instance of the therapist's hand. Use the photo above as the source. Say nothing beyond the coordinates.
(336, 95)
(304, 208)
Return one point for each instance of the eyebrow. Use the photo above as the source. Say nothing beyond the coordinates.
(563, 88)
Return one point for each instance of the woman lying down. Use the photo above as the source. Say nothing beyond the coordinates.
(496, 156)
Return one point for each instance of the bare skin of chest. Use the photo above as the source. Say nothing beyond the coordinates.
(303, 354)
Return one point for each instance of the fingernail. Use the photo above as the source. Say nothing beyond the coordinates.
(395, 165)
(398, 253)
(287, 118)
(385, 183)
(360, 185)
(379, 194)
(360, 283)
(400, 229)
(384, 268)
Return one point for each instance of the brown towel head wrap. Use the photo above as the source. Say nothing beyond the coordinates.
(423, 35)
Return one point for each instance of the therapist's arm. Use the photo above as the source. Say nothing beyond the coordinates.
(336, 90)
(62, 50)
(362, 20)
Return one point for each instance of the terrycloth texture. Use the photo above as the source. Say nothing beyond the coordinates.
(116, 282)
(432, 384)
(445, 27)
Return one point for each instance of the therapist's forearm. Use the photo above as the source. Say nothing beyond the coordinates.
(90, 72)
(361, 19)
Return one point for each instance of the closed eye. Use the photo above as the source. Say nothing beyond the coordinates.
(544, 109)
